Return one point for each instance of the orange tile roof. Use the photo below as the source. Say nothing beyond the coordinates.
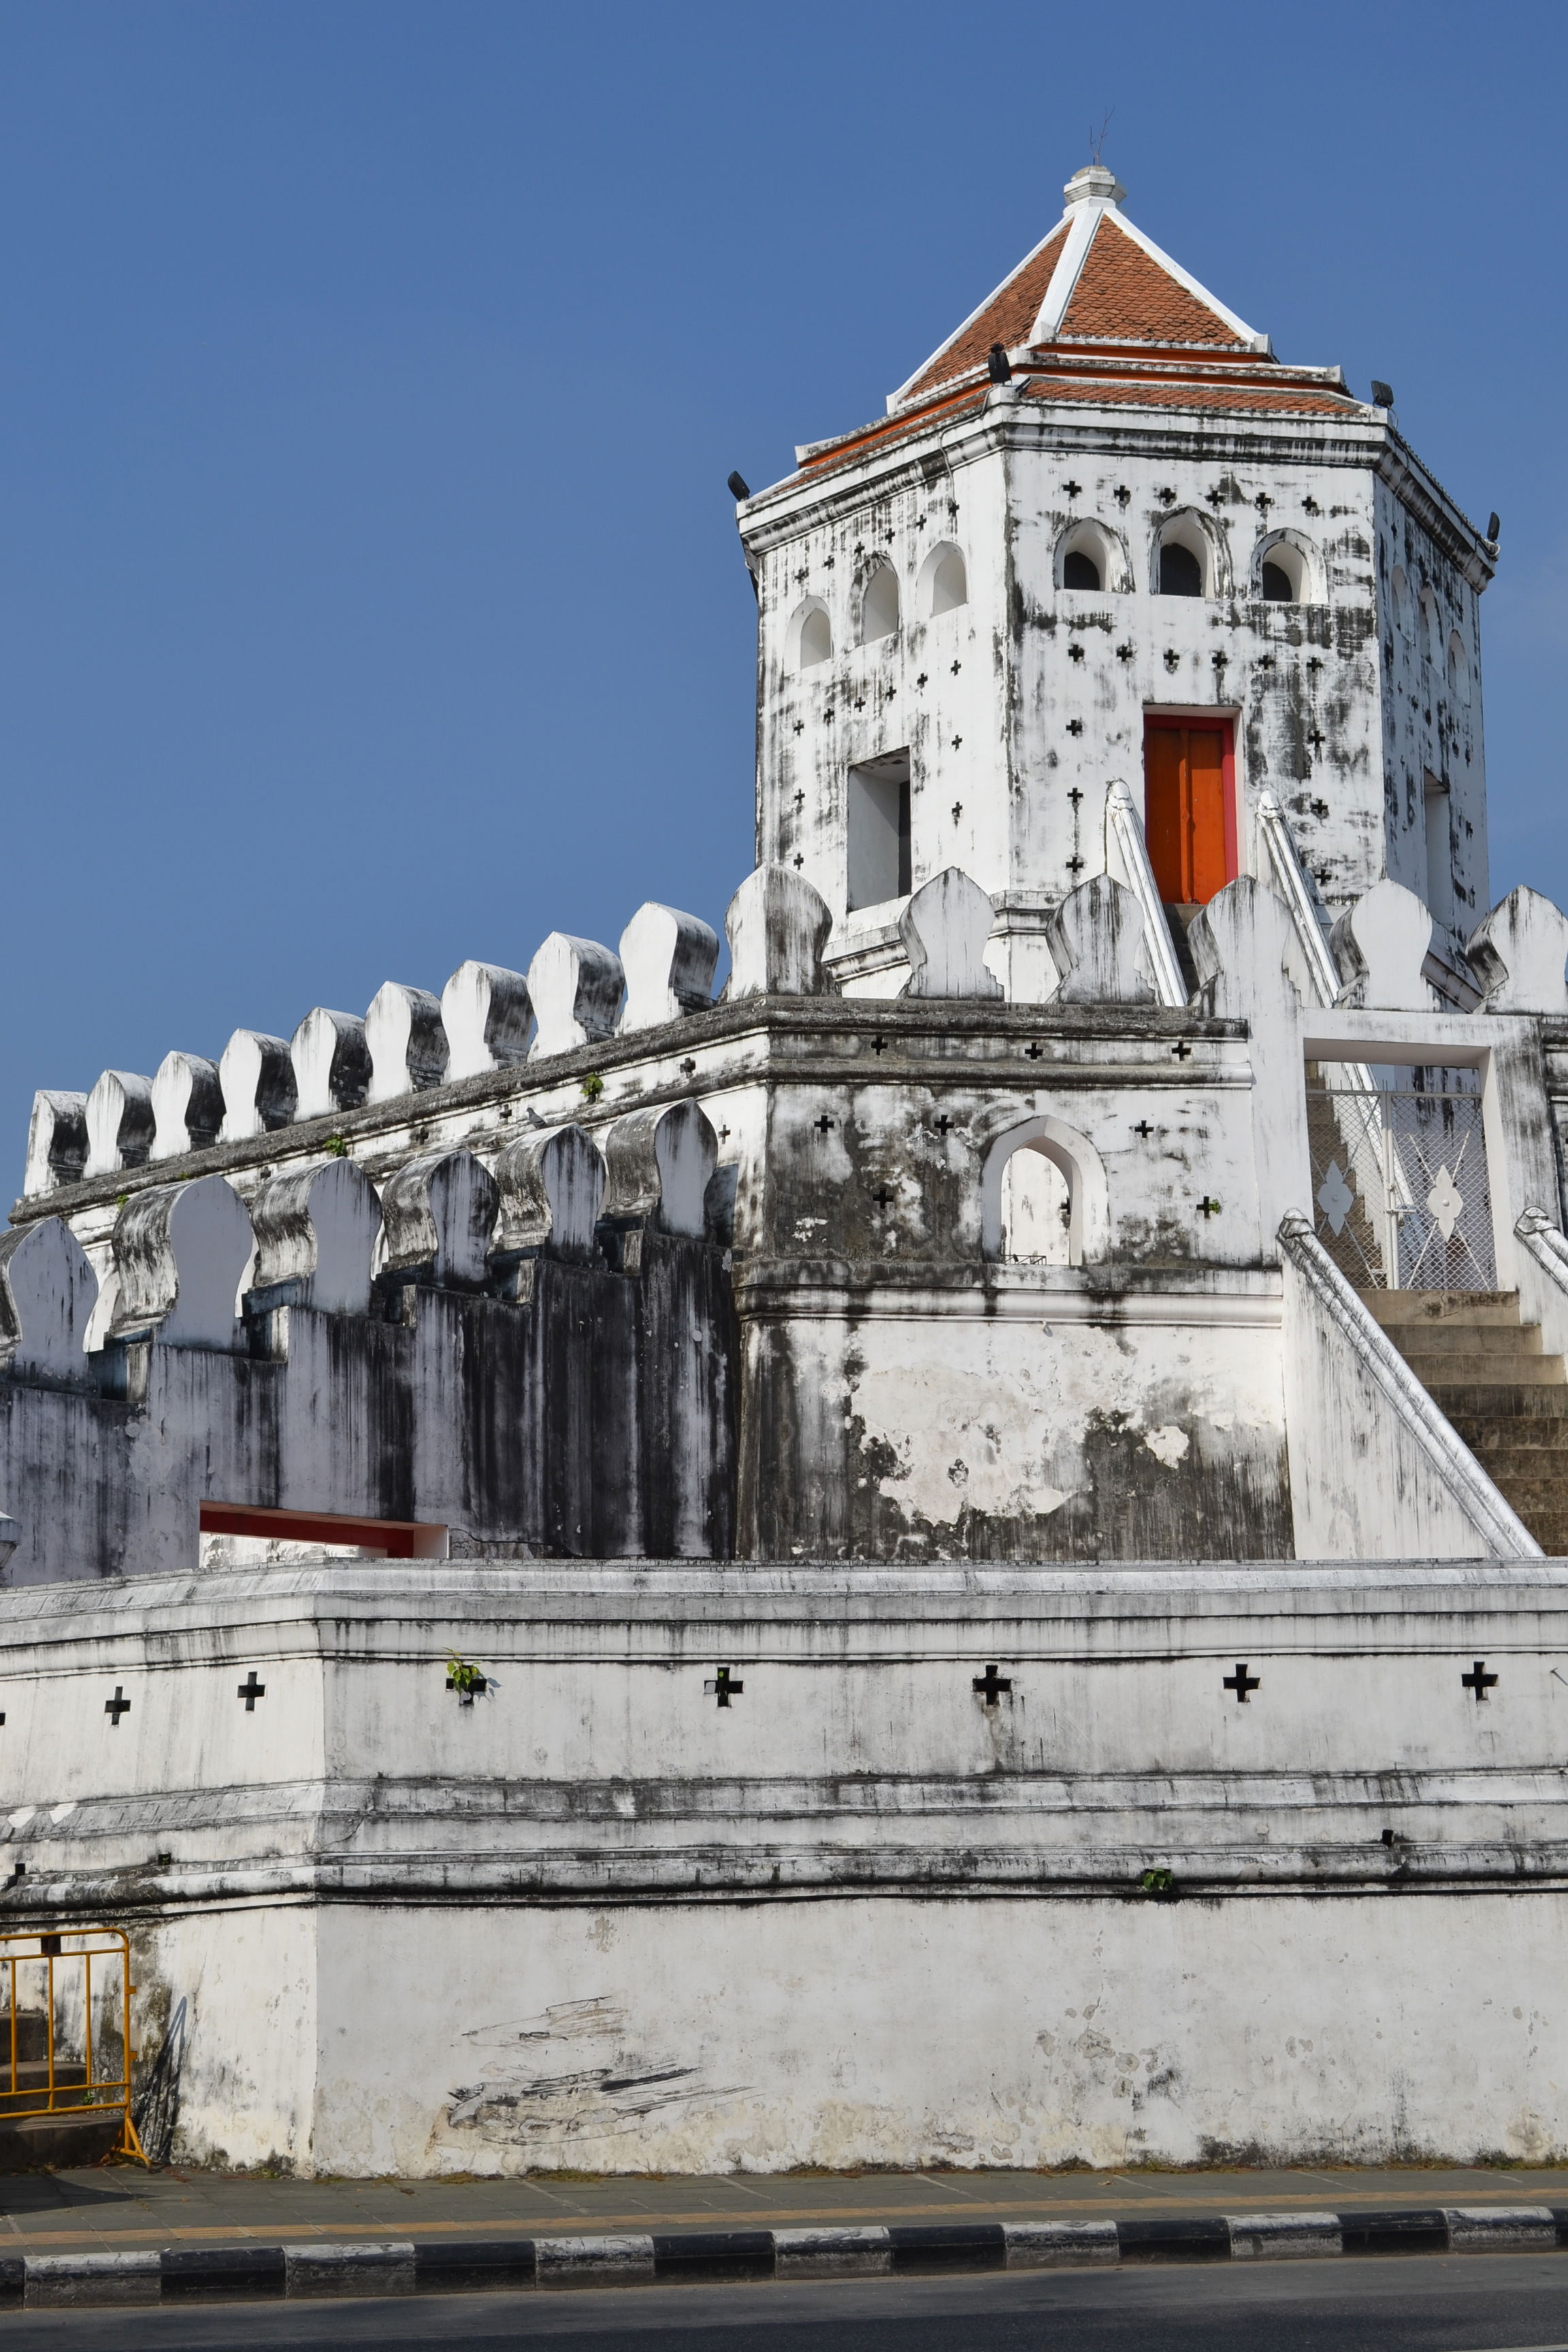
(1133, 335)
(1007, 318)
(1188, 392)
(1122, 295)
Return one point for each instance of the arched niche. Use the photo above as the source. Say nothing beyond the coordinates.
(944, 582)
(1081, 1174)
(879, 603)
(1404, 603)
(1286, 569)
(1188, 556)
(1458, 667)
(1090, 548)
(810, 635)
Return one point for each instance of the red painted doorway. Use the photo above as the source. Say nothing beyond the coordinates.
(1189, 807)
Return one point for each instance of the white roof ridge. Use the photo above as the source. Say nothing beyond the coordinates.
(1183, 278)
(897, 399)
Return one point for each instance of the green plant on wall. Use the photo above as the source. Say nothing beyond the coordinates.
(338, 1145)
(470, 1682)
(1159, 1885)
(593, 1086)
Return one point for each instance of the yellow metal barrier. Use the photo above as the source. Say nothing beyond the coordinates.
(65, 2028)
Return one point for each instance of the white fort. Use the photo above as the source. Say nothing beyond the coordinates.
(955, 1554)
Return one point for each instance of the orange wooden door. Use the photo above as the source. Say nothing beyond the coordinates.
(1184, 811)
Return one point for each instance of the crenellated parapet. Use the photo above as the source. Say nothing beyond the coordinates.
(480, 1361)
(872, 1275)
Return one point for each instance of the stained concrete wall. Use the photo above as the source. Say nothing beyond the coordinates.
(883, 1908)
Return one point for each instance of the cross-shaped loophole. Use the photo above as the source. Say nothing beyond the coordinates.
(723, 1686)
(823, 1125)
(1241, 1682)
(1144, 1129)
(1182, 1050)
(885, 1199)
(1479, 1680)
(116, 1706)
(942, 1125)
(878, 1044)
(1034, 1051)
(250, 1690)
(991, 1685)
(1207, 1208)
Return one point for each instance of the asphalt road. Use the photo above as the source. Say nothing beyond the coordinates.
(1419, 2304)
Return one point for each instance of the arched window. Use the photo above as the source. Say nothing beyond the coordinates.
(1187, 561)
(1404, 603)
(1091, 560)
(1043, 1195)
(1285, 570)
(943, 584)
(879, 604)
(1181, 573)
(1037, 1208)
(811, 635)
(1458, 667)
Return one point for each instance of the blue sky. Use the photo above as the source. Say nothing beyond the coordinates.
(371, 371)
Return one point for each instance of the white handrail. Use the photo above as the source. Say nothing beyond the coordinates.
(1291, 880)
(1125, 846)
(1490, 1512)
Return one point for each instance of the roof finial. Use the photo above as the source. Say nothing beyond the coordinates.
(1097, 139)
(1094, 184)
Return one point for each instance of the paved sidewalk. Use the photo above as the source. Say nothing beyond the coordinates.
(123, 2207)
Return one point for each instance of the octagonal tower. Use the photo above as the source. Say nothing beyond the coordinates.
(1104, 534)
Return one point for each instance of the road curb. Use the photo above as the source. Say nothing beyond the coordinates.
(317, 2267)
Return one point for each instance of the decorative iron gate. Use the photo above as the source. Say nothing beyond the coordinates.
(1399, 1185)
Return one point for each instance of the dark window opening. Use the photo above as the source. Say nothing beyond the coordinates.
(1081, 571)
(879, 863)
(1277, 589)
(1181, 573)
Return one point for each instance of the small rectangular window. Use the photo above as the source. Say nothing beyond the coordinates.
(879, 830)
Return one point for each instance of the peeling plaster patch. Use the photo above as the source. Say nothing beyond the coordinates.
(912, 1420)
(1168, 1444)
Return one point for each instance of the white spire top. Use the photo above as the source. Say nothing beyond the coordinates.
(1094, 183)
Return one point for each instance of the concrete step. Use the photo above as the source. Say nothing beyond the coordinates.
(1535, 1448)
(1518, 1472)
(1505, 1339)
(1499, 1400)
(1446, 1372)
(1527, 1494)
(1550, 1530)
(1476, 1308)
(31, 2143)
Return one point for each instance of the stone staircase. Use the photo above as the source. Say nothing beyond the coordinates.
(1483, 1367)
